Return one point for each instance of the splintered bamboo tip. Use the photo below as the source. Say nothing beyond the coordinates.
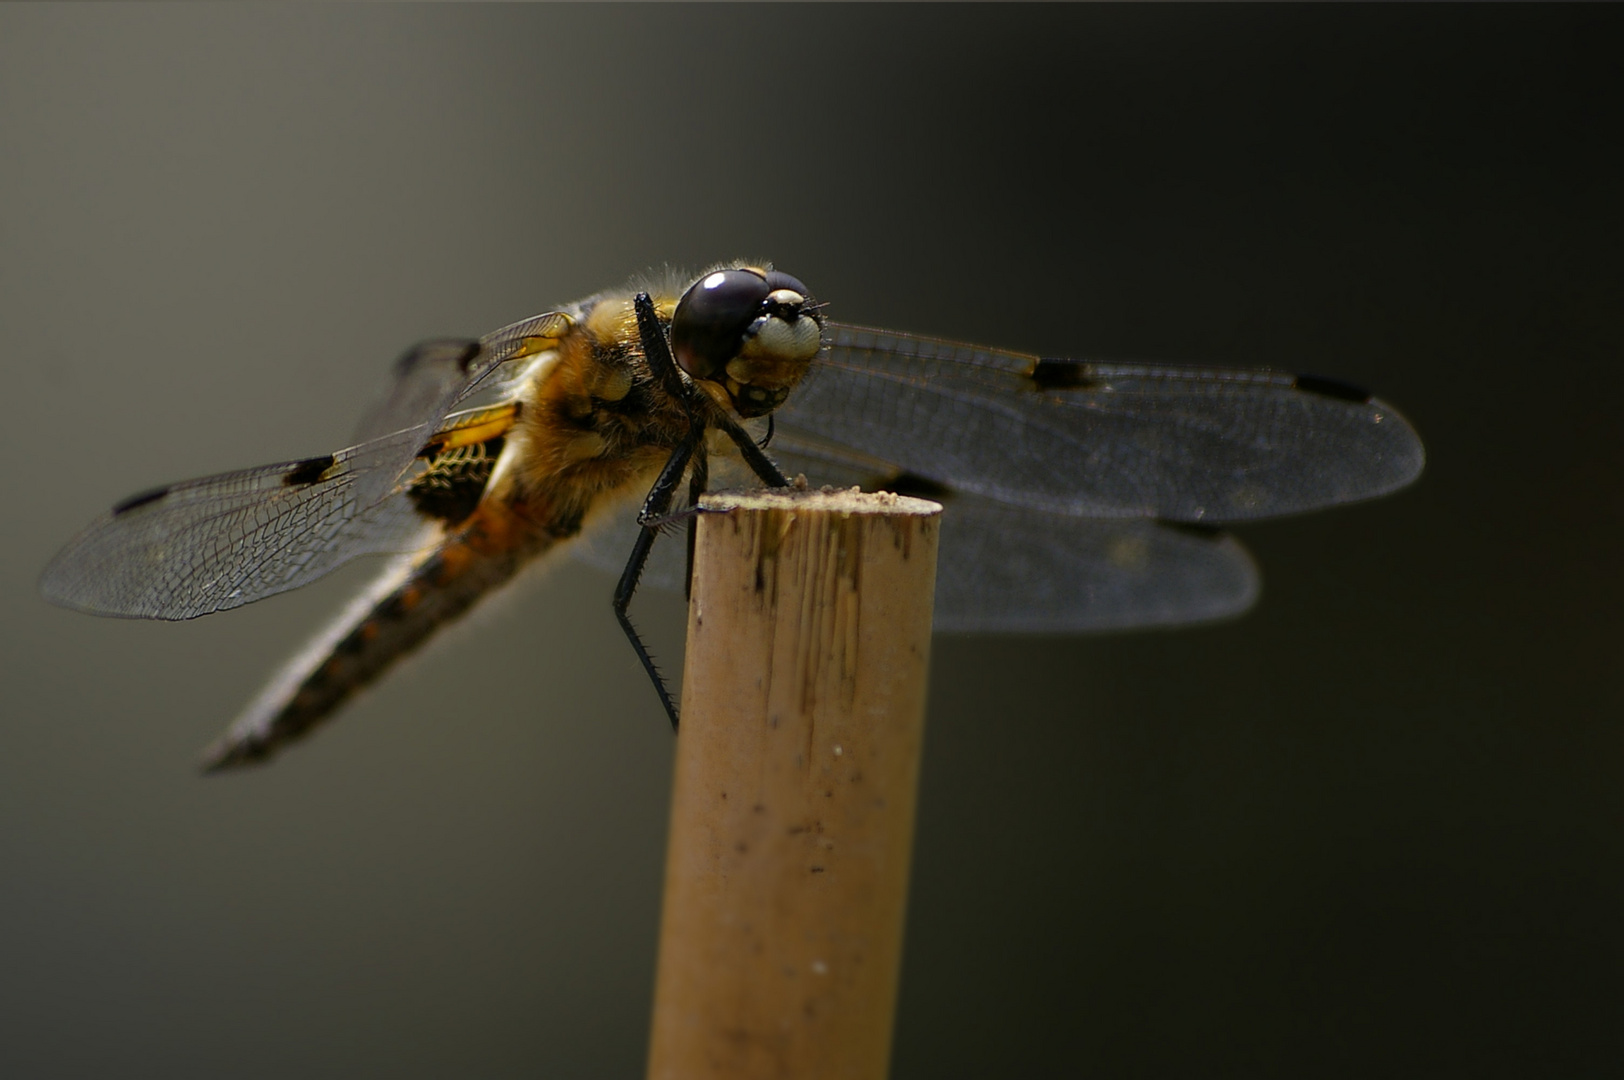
(797, 770)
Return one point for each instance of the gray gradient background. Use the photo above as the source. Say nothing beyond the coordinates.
(1373, 826)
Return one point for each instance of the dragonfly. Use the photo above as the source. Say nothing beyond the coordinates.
(1080, 495)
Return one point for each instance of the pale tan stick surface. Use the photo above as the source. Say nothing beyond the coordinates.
(793, 803)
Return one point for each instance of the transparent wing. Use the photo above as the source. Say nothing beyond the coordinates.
(1004, 568)
(607, 544)
(1008, 568)
(435, 377)
(217, 543)
(207, 545)
(1103, 440)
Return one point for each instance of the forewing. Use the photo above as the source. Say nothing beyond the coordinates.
(435, 377)
(217, 543)
(223, 541)
(1104, 440)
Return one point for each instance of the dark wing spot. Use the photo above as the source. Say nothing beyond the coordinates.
(308, 471)
(1063, 375)
(1193, 529)
(919, 487)
(1332, 388)
(140, 499)
(458, 352)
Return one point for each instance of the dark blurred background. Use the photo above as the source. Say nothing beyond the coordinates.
(1373, 826)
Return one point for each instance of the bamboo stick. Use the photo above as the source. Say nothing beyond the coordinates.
(796, 777)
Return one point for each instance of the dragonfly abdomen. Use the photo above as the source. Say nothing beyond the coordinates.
(415, 597)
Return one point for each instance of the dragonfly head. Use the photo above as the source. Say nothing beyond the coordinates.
(753, 332)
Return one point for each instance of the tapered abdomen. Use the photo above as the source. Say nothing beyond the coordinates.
(413, 598)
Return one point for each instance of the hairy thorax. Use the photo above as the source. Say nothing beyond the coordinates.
(593, 424)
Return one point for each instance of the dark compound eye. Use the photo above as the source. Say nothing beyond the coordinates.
(707, 329)
(777, 279)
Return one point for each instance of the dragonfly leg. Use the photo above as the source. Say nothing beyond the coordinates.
(698, 480)
(754, 456)
(655, 507)
(657, 351)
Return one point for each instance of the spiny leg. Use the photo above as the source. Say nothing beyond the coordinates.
(754, 456)
(656, 505)
(657, 351)
(698, 480)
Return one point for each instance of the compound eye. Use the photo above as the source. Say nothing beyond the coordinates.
(708, 327)
(777, 279)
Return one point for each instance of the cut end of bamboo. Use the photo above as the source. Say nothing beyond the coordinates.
(796, 779)
(821, 500)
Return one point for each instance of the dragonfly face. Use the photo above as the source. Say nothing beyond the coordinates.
(744, 331)
(1081, 496)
